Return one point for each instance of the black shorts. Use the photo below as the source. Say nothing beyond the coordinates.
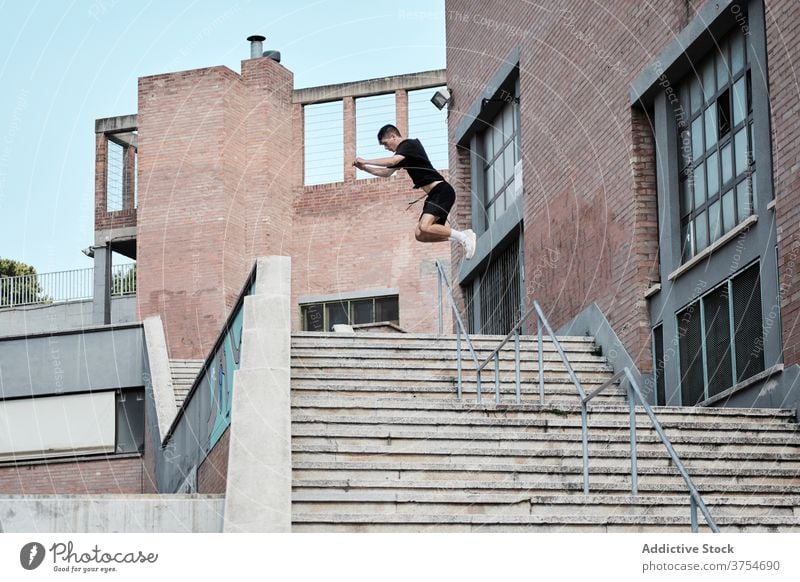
(439, 202)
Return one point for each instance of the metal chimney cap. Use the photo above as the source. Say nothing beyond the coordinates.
(256, 38)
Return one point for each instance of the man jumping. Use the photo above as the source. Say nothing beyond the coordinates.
(410, 156)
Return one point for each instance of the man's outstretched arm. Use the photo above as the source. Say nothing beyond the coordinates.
(382, 162)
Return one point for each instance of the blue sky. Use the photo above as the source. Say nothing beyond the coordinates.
(65, 64)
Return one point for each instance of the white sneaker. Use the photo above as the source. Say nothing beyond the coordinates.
(470, 243)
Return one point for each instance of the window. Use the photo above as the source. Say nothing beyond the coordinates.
(76, 424)
(428, 125)
(721, 337)
(323, 142)
(498, 292)
(324, 315)
(115, 176)
(716, 164)
(372, 113)
(499, 151)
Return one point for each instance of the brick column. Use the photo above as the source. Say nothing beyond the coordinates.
(349, 108)
(401, 111)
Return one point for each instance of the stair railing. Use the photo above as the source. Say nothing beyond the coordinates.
(633, 393)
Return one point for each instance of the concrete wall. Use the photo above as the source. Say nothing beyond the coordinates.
(33, 319)
(111, 514)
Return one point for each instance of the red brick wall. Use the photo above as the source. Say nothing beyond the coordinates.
(358, 235)
(590, 214)
(212, 475)
(191, 214)
(61, 477)
(783, 28)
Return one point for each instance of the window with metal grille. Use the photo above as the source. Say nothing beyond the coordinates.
(715, 159)
(658, 364)
(115, 176)
(721, 337)
(323, 143)
(372, 113)
(324, 315)
(499, 293)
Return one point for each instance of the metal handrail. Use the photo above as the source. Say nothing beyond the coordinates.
(633, 391)
(443, 278)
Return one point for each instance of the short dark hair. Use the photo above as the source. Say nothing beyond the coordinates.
(388, 129)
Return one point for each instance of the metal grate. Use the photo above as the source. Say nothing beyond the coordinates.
(718, 342)
(691, 353)
(499, 292)
(748, 333)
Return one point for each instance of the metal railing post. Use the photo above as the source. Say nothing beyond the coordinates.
(632, 423)
(693, 513)
(517, 364)
(441, 315)
(541, 360)
(458, 361)
(585, 444)
(497, 378)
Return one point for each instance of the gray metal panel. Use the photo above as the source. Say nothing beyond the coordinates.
(505, 226)
(63, 363)
(476, 116)
(694, 40)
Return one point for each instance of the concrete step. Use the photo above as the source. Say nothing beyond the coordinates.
(519, 503)
(360, 377)
(456, 421)
(503, 471)
(618, 522)
(425, 341)
(528, 353)
(566, 485)
(650, 455)
(313, 435)
(447, 408)
(383, 365)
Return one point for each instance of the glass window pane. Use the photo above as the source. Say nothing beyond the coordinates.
(387, 309)
(337, 313)
(728, 211)
(490, 183)
(712, 173)
(723, 74)
(361, 311)
(508, 155)
(752, 149)
(742, 200)
(711, 126)
(740, 149)
(313, 318)
(686, 196)
(709, 85)
(697, 138)
(737, 53)
(500, 204)
(724, 113)
(488, 148)
(753, 190)
(727, 163)
(688, 242)
(701, 231)
(497, 134)
(699, 185)
(696, 93)
(714, 221)
(508, 123)
(685, 148)
(739, 101)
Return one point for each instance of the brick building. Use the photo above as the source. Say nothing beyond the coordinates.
(658, 151)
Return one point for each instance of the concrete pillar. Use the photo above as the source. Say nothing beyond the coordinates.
(259, 484)
(101, 302)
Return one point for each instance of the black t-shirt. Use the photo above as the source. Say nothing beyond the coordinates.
(416, 163)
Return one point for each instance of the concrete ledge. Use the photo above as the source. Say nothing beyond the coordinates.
(409, 82)
(111, 513)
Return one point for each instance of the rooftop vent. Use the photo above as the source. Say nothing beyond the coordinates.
(255, 45)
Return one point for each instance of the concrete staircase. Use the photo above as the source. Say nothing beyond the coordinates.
(380, 443)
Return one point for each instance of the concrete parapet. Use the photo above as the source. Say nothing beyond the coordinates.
(259, 493)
